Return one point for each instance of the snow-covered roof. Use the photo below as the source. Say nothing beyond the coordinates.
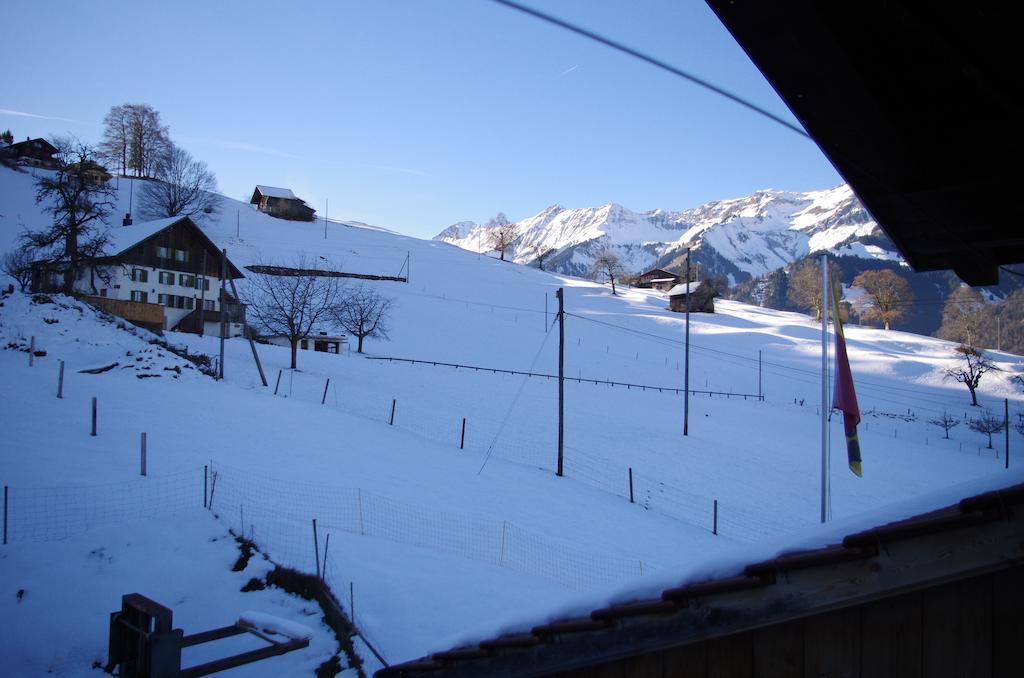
(683, 288)
(275, 192)
(124, 237)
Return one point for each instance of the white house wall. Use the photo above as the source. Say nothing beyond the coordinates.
(121, 287)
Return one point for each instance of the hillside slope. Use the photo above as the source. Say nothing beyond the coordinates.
(437, 538)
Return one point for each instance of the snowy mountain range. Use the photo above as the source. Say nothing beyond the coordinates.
(739, 238)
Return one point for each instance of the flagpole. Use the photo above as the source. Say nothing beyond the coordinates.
(824, 387)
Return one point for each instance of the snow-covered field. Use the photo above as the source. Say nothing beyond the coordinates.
(434, 542)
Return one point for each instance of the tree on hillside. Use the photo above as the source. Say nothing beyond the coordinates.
(973, 367)
(804, 286)
(541, 253)
(947, 422)
(184, 186)
(963, 316)
(887, 295)
(987, 423)
(608, 265)
(134, 139)
(116, 138)
(363, 313)
(291, 305)
(1006, 323)
(17, 263)
(79, 207)
(500, 234)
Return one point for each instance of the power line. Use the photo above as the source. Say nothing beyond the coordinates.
(608, 42)
(913, 395)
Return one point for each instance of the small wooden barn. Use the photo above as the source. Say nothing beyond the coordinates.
(656, 278)
(697, 297)
(281, 203)
(936, 594)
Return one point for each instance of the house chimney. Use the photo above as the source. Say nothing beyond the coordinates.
(127, 221)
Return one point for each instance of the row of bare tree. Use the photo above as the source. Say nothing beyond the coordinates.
(296, 305)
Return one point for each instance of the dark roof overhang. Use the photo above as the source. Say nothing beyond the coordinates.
(917, 105)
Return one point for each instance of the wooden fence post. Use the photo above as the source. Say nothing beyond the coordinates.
(60, 381)
(93, 416)
(327, 545)
(462, 441)
(316, 549)
(504, 529)
(714, 527)
(143, 452)
(31, 351)
(326, 386)
(392, 421)
(631, 485)
(5, 514)
(206, 474)
(278, 382)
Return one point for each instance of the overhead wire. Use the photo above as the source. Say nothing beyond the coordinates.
(700, 82)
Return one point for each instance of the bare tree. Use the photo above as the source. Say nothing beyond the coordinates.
(501, 234)
(541, 253)
(363, 313)
(608, 265)
(184, 186)
(804, 289)
(134, 138)
(17, 263)
(947, 422)
(79, 206)
(114, 146)
(987, 423)
(291, 305)
(887, 295)
(962, 316)
(804, 286)
(975, 365)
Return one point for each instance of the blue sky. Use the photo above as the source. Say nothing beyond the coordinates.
(413, 115)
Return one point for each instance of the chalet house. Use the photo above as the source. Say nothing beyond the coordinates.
(34, 152)
(161, 275)
(93, 172)
(695, 297)
(281, 203)
(656, 278)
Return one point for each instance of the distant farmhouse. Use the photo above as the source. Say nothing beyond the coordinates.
(161, 275)
(697, 297)
(281, 203)
(321, 342)
(656, 278)
(34, 152)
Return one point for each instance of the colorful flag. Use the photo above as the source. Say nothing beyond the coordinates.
(844, 398)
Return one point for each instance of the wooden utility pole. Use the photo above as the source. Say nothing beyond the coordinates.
(686, 362)
(223, 310)
(561, 376)
(252, 344)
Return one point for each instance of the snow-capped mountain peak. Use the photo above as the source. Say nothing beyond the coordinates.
(737, 237)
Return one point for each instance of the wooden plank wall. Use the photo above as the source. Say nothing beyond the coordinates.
(972, 628)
